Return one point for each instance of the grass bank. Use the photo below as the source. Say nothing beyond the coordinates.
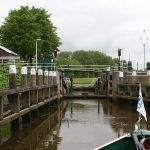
(83, 81)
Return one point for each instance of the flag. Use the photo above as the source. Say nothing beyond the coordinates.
(140, 105)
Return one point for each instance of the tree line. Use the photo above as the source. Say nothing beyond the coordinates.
(83, 57)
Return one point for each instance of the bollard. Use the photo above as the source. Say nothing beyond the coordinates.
(24, 76)
(46, 90)
(12, 76)
(55, 77)
(25, 101)
(46, 77)
(133, 77)
(50, 78)
(14, 99)
(33, 77)
(58, 78)
(54, 83)
(40, 83)
(33, 93)
(40, 77)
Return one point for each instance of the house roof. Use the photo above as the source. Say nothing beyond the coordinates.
(8, 51)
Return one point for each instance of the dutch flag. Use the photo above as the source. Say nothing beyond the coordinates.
(140, 105)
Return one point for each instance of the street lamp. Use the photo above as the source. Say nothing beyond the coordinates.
(36, 54)
(144, 39)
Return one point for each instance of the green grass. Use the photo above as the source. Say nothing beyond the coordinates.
(84, 80)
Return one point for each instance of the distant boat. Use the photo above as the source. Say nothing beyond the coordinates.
(136, 140)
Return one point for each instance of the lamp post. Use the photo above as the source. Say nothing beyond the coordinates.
(36, 54)
(144, 39)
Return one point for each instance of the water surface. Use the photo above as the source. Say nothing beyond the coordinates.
(85, 125)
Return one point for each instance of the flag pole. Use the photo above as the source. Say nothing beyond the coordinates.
(139, 114)
(140, 108)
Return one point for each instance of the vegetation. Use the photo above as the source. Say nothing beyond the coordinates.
(4, 76)
(84, 80)
(82, 57)
(21, 29)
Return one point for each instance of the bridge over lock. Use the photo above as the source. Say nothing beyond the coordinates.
(85, 80)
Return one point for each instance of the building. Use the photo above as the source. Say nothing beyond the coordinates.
(7, 55)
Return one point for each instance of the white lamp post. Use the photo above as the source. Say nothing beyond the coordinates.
(36, 54)
(144, 39)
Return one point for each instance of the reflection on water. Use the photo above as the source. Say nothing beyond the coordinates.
(40, 134)
(86, 124)
(95, 122)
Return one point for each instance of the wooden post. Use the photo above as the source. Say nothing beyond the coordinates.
(133, 77)
(50, 78)
(12, 76)
(58, 85)
(24, 76)
(40, 83)
(33, 77)
(50, 82)
(14, 99)
(46, 90)
(33, 93)
(55, 77)
(54, 83)
(25, 101)
(46, 77)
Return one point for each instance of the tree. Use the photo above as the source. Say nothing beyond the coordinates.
(21, 29)
(65, 58)
(92, 58)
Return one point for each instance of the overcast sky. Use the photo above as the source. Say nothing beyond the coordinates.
(104, 25)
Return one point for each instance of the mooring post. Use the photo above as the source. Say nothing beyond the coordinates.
(46, 77)
(55, 83)
(24, 76)
(133, 77)
(25, 100)
(133, 82)
(1, 108)
(58, 85)
(33, 93)
(33, 77)
(14, 99)
(12, 76)
(50, 82)
(46, 90)
(55, 77)
(40, 83)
